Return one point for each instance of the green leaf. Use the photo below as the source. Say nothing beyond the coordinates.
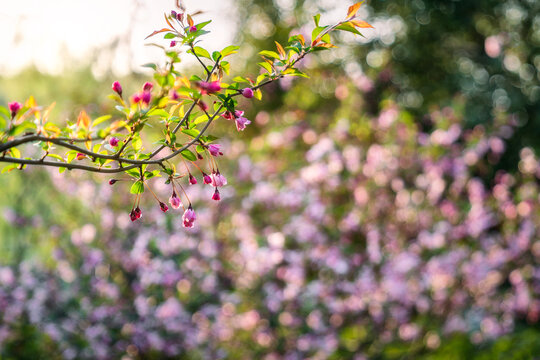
(317, 18)
(216, 55)
(15, 153)
(71, 155)
(150, 65)
(137, 187)
(269, 53)
(158, 112)
(101, 119)
(191, 132)
(229, 50)
(57, 157)
(266, 66)
(348, 27)
(295, 72)
(133, 172)
(200, 119)
(188, 155)
(9, 168)
(169, 36)
(199, 51)
(136, 143)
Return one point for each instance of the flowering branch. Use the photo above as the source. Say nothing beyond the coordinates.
(104, 142)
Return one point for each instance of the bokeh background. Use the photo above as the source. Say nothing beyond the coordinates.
(386, 208)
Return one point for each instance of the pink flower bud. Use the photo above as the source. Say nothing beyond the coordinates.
(214, 149)
(193, 28)
(189, 217)
(148, 86)
(202, 105)
(227, 115)
(136, 98)
(180, 17)
(207, 179)
(146, 97)
(117, 88)
(174, 201)
(113, 141)
(173, 43)
(173, 14)
(192, 180)
(14, 108)
(173, 94)
(163, 207)
(214, 87)
(216, 195)
(238, 113)
(112, 181)
(80, 156)
(218, 180)
(135, 214)
(247, 93)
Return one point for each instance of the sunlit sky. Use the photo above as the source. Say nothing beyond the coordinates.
(52, 33)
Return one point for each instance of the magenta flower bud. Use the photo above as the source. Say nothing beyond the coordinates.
(174, 14)
(80, 156)
(138, 212)
(247, 93)
(173, 94)
(202, 105)
(113, 141)
(136, 98)
(146, 97)
(241, 123)
(112, 181)
(192, 180)
(132, 215)
(173, 43)
(193, 28)
(14, 108)
(227, 115)
(207, 179)
(163, 207)
(214, 87)
(180, 17)
(174, 201)
(148, 86)
(117, 88)
(189, 217)
(199, 156)
(218, 180)
(214, 149)
(216, 195)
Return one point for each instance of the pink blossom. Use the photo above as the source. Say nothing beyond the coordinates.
(14, 108)
(113, 141)
(189, 217)
(174, 200)
(148, 86)
(173, 94)
(241, 123)
(227, 115)
(216, 195)
(247, 93)
(209, 87)
(117, 88)
(193, 28)
(163, 207)
(146, 97)
(215, 149)
(173, 43)
(218, 180)
(136, 98)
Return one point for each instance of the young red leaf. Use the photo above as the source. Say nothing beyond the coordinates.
(353, 9)
(157, 32)
(280, 49)
(360, 24)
